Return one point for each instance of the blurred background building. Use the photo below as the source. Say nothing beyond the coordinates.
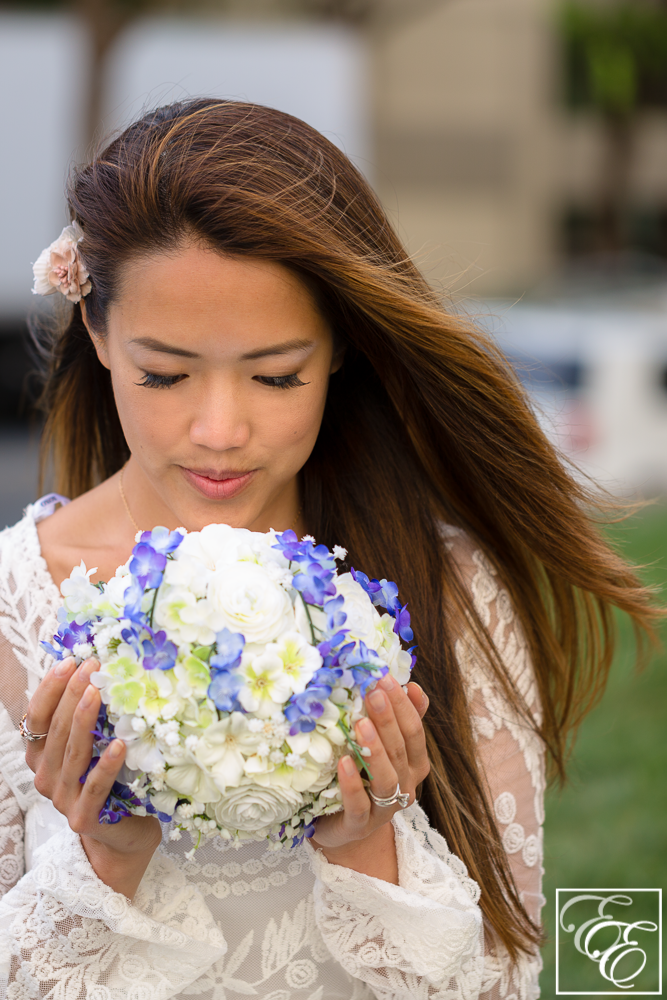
(518, 145)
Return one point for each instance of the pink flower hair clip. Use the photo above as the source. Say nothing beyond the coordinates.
(59, 268)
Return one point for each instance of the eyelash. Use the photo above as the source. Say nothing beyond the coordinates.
(151, 381)
(280, 381)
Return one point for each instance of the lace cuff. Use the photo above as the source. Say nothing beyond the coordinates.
(409, 939)
(63, 931)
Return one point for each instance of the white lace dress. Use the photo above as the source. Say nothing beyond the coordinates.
(236, 923)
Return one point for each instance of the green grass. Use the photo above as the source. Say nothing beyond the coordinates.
(608, 828)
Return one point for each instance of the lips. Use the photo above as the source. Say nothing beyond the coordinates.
(216, 485)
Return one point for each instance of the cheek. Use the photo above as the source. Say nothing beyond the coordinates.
(293, 426)
(146, 415)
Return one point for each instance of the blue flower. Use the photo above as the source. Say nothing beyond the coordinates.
(66, 638)
(159, 652)
(314, 581)
(162, 540)
(304, 709)
(229, 647)
(402, 624)
(290, 545)
(223, 690)
(382, 592)
(372, 587)
(133, 598)
(147, 565)
(365, 666)
(336, 617)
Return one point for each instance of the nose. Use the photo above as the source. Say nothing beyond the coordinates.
(220, 421)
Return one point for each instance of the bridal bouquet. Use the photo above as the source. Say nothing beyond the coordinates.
(233, 665)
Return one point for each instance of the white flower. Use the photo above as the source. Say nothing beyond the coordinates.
(244, 598)
(339, 552)
(165, 802)
(59, 268)
(143, 753)
(266, 684)
(362, 618)
(222, 748)
(80, 594)
(190, 779)
(112, 598)
(184, 618)
(252, 807)
(82, 650)
(300, 659)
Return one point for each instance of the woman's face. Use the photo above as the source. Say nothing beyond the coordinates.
(220, 367)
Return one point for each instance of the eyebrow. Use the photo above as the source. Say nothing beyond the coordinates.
(287, 347)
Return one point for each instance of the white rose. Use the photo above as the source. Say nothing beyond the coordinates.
(178, 611)
(244, 598)
(253, 808)
(362, 618)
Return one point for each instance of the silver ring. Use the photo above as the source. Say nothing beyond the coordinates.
(402, 798)
(30, 737)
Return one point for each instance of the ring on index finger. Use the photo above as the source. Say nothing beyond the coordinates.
(402, 798)
(25, 732)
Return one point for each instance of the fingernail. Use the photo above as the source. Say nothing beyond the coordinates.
(387, 682)
(115, 748)
(378, 701)
(367, 730)
(348, 765)
(63, 667)
(87, 696)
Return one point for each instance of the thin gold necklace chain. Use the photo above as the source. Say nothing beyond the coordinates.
(129, 512)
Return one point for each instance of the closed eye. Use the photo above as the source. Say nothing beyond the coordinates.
(280, 381)
(152, 381)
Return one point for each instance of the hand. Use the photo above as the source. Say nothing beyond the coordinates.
(66, 706)
(394, 734)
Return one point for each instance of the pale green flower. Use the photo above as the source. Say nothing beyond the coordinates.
(300, 659)
(266, 685)
(194, 677)
(124, 685)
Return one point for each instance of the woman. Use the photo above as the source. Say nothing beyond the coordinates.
(250, 344)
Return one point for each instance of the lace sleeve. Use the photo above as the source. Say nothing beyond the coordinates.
(511, 756)
(65, 933)
(11, 838)
(424, 938)
(413, 940)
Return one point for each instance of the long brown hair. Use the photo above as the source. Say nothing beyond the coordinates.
(424, 423)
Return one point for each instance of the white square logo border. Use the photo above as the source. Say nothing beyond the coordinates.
(595, 893)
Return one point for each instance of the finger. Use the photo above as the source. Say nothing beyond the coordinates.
(356, 803)
(419, 698)
(44, 703)
(381, 767)
(381, 712)
(79, 749)
(61, 722)
(410, 724)
(95, 790)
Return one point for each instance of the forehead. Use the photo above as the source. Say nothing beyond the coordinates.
(196, 295)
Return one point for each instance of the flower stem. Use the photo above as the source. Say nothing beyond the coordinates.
(354, 746)
(310, 620)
